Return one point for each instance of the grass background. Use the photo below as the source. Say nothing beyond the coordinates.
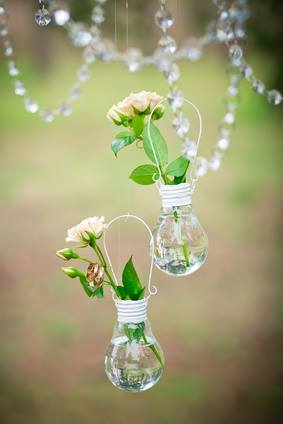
(221, 329)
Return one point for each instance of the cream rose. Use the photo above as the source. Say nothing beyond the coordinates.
(113, 115)
(140, 102)
(126, 107)
(94, 225)
(154, 100)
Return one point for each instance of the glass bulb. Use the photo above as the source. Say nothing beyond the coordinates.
(180, 242)
(134, 360)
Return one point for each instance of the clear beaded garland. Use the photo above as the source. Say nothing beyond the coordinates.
(80, 36)
(228, 29)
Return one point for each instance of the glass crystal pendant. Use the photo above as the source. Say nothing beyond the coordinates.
(163, 19)
(61, 13)
(134, 361)
(79, 35)
(42, 17)
(180, 242)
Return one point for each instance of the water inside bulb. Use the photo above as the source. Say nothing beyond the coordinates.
(134, 360)
(180, 242)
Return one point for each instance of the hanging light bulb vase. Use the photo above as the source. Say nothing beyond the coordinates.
(134, 360)
(180, 242)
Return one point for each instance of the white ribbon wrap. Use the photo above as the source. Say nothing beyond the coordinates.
(175, 195)
(134, 311)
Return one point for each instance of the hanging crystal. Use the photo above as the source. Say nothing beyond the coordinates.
(236, 54)
(89, 55)
(47, 115)
(19, 88)
(95, 35)
(8, 49)
(83, 73)
(181, 124)
(189, 149)
(42, 17)
(201, 166)
(223, 143)
(163, 18)
(229, 118)
(75, 92)
(97, 15)
(172, 74)
(60, 13)
(105, 50)
(175, 99)
(134, 59)
(31, 105)
(192, 50)
(274, 97)
(232, 90)
(246, 70)
(215, 161)
(3, 30)
(167, 44)
(80, 36)
(13, 70)
(258, 86)
(65, 110)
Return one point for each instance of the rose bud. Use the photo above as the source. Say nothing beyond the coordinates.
(71, 271)
(67, 254)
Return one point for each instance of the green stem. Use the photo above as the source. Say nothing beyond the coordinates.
(186, 254)
(166, 180)
(154, 350)
(84, 259)
(184, 245)
(100, 256)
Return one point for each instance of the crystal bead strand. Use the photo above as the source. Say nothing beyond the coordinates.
(83, 73)
(170, 70)
(230, 28)
(227, 29)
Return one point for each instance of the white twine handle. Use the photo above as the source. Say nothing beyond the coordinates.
(152, 290)
(193, 178)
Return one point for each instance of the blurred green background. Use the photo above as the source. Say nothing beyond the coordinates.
(222, 328)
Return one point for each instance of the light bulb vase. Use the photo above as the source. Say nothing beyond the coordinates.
(180, 242)
(134, 360)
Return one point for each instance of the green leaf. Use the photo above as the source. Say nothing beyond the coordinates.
(138, 124)
(134, 331)
(159, 144)
(179, 180)
(141, 295)
(129, 331)
(122, 292)
(131, 281)
(144, 174)
(139, 331)
(99, 293)
(123, 139)
(86, 288)
(178, 167)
